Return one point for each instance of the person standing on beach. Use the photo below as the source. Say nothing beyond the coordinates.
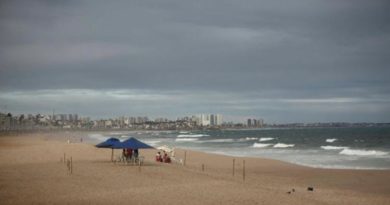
(129, 153)
(136, 153)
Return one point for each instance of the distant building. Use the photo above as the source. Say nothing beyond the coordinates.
(204, 120)
(215, 119)
(249, 123)
(255, 123)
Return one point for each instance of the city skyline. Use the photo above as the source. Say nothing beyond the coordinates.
(296, 61)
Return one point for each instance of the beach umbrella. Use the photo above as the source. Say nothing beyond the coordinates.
(131, 143)
(108, 144)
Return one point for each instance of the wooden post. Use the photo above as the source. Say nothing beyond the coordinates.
(71, 165)
(202, 167)
(234, 162)
(243, 170)
(185, 158)
(112, 154)
(64, 159)
(139, 165)
(68, 165)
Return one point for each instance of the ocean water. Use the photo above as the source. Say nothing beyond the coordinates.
(348, 148)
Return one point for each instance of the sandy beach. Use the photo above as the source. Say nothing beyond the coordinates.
(32, 171)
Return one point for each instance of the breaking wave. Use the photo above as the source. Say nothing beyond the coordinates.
(281, 145)
(332, 147)
(220, 140)
(97, 137)
(152, 142)
(183, 132)
(185, 139)
(331, 140)
(192, 135)
(358, 152)
(260, 145)
(263, 139)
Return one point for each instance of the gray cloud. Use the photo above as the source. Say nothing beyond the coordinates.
(311, 52)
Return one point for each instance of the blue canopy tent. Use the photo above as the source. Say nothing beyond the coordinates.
(131, 143)
(108, 144)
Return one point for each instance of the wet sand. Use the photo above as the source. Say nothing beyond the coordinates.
(32, 171)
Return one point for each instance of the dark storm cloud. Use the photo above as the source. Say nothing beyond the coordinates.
(277, 50)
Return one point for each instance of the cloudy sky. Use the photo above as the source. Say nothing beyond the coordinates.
(283, 61)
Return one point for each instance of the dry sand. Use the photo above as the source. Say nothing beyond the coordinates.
(31, 172)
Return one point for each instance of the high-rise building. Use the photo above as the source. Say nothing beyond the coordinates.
(218, 120)
(204, 119)
(249, 123)
(215, 119)
(255, 122)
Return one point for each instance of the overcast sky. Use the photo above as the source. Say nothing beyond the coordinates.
(283, 61)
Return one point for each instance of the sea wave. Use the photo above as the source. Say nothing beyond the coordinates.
(331, 140)
(358, 152)
(192, 135)
(152, 142)
(185, 139)
(263, 139)
(116, 133)
(183, 132)
(260, 145)
(125, 136)
(98, 137)
(332, 147)
(251, 138)
(281, 145)
(219, 140)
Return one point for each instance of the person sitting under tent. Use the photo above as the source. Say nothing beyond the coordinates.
(158, 157)
(129, 154)
(166, 158)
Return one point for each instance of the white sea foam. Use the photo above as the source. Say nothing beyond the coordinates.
(331, 140)
(183, 132)
(185, 139)
(116, 133)
(357, 152)
(98, 137)
(152, 142)
(220, 140)
(263, 139)
(250, 138)
(192, 135)
(260, 145)
(281, 145)
(333, 147)
(125, 136)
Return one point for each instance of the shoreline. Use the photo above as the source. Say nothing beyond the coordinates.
(276, 154)
(87, 139)
(39, 176)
